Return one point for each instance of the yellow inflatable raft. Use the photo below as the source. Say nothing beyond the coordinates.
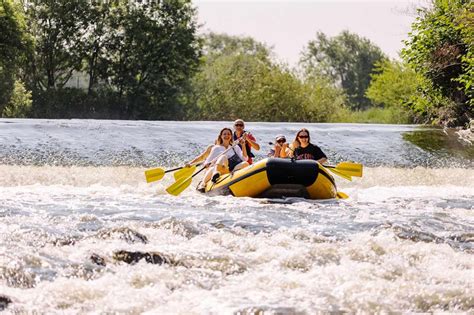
(277, 178)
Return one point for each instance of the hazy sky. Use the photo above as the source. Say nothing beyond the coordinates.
(289, 25)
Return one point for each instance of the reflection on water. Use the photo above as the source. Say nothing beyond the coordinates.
(444, 143)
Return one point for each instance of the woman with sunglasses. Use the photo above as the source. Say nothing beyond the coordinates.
(250, 141)
(233, 160)
(303, 149)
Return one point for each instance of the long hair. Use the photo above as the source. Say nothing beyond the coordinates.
(298, 133)
(219, 138)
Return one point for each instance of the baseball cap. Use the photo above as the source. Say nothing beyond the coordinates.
(280, 137)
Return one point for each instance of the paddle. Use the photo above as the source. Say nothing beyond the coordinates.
(156, 174)
(185, 171)
(182, 183)
(341, 195)
(346, 169)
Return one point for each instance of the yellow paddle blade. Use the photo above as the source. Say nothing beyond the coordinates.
(340, 173)
(184, 172)
(154, 174)
(341, 195)
(350, 169)
(179, 186)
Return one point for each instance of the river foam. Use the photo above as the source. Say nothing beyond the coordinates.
(82, 232)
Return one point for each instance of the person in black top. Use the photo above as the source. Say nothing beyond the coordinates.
(303, 149)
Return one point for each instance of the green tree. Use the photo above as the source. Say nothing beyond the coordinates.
(151, 55)
(19, 105)
(94, 41)
(219, 44)
(242, 85)
(13, 45)
(440, 49)
(348, 59)
(57, 27)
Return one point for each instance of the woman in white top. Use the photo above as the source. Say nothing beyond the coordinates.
(234, 159)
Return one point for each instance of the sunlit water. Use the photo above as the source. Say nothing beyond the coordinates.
(73, 195)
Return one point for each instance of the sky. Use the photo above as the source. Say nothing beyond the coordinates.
(288, 26)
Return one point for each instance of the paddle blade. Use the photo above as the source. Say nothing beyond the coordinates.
(179, 186)
(350, 169)
(340, 174)
(184, 172)
(154, 174)
(341, 195)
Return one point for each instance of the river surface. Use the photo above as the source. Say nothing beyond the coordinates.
(73, 200)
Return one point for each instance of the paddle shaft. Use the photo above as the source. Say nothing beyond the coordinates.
(174, 169)
(180, 185)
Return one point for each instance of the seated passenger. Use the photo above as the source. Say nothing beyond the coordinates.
(280, 149)
(250, 141)
(219, 163)
(303, 149)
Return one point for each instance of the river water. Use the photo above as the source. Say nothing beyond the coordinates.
(74, 203)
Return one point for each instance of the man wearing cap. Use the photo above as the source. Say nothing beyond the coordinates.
(250, 141)
(280, 150)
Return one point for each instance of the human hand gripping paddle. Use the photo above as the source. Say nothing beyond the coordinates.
(181, 184)
(155, 174)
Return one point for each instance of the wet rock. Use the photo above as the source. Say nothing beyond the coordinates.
(65, 241)
(225, 265)
(416, 236)
(4, 302)
(408, 233)
(134, 257)
(464, 238)
(124, 233)
(96, 259)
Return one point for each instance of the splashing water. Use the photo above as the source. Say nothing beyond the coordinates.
(82, 232)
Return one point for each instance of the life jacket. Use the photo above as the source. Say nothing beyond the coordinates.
(247, 146)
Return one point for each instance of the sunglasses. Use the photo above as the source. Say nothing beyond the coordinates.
(239, 125)
(303, 137)
(281, 141)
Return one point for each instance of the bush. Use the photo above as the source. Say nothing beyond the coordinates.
(19, 105)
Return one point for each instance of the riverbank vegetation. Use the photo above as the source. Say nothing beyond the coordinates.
(133, 60)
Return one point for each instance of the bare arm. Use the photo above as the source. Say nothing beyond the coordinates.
(252, 142)
(201, 157)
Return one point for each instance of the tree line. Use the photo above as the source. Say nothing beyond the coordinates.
(146, 60)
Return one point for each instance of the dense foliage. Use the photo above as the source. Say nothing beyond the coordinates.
(347, 58)
(138, 57)
(14, 44)
(238, 79)
(394, 86)
(144, 60)
(441, 49)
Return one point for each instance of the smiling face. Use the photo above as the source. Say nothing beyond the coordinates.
(302, 137)
(239, 126)
(225, 136)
